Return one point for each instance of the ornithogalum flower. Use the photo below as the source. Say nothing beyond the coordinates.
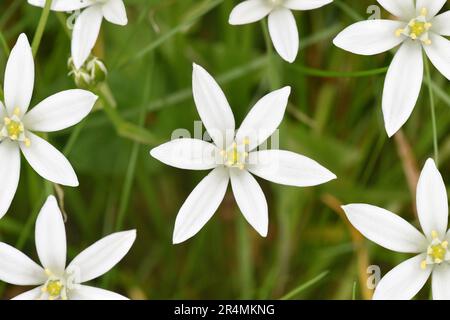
(282, 26)
(57, 112)
(418, 27)
(87, 25)
(394, 233)
(55, 281)
(233, 156)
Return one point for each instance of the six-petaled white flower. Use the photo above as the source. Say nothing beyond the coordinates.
(233, 156)
(54, 279)
(419, 26)
(57, 112)
(87, 25)
(394, 233)
(282, 25)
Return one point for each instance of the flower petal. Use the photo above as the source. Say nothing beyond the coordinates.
(64, 5)
(190, 154)
(402, 86)
(85, 33)
(102, 256)
(404, 281)
(19, 76)
(201, 205)
(441, 24)
(60, 111)
(433, 7)
(250, 199)
(2, 111)
(284, 34)
(440, 282)
(249, 11)
(50, 237)
(305, 4)
(48, 162)
(16, 268)
(369, 37)
(288, 168)
(432, 205)
(33, 294)
(404, 9)
(9, 174)
(114, 11)
(439, 54)
(385, 228)
(213, 107)
(82, 292)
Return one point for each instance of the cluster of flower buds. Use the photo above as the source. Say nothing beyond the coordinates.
(90, 74)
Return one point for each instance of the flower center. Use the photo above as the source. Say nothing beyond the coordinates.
(55, 288)
(436, 252)
(13, 128)
(236, 156)
(417, 28)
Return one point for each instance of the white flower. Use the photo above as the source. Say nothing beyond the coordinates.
(54, 279)
(394, 233)
(234, 156)
(87, 25)
(57, 112)
(418, 27)
(282, 26)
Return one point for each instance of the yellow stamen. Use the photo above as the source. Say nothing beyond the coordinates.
(424, 12)
(434, 234)
(423, 265)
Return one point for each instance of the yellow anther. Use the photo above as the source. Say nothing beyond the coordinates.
(427, 42)
(7, 121)
(16, 111)
(413, 36)
(424, 12)
(428, 25)
(399, 32)
(246, 141)
(423, 265)
(27, 142)
(434, 234)
(48, 272)
(444, 244)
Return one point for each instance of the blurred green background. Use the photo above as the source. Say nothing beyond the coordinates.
(334, 117)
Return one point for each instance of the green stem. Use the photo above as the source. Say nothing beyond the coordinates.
(338, 74)
(41, 27)
(304, 286)
(4, 44)
(433, 111)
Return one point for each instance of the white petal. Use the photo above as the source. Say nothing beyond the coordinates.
(60, 111)
(433, 7)
(19, 76)
(284, 34)
(305, 4)
(48, 162)
(250, 199)
(50, 237)
(369, 37)
(33, 294)
(441, 24)
(190, 154)
(9, 174)
(201, 205)
(402, 86)
(385, 228)
(288, 168)
(213, 107)
(16, 268)
(404, 281)
(102, 256)
(82, 292)
(401, 8)
(432, 205)
(85, 33)
(264, 118)
(249, 11)
(114, 11)
(64, 5)
(2, 111)
(440, 281)
(439, 54)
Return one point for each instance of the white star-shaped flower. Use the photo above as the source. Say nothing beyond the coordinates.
(418, 27)
(55, 113)
(394, 233)
(87, 25)
(282, 25)
(233, 156)
(54, 279)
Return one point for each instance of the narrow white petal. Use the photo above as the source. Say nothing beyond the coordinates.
(19, 76)
(439, 53)
(404, 9)
(85, 33)
(404, 281)
(9, 174)
(201, 205)
(440, 281)
(50, 237)
(33, 294)
(190, 154)
(48, 162)
(213, 107)
(402, 86)
(432, 205)
(385, 228)
(249, 11)
(16, 268)
(82, 292)
(60, 111)
(433, 7)
(2, 111)
(102, 256)
(305, 4)
(114, 11)
(441, 24)
(288, 168)
(284, 34)
(250, 199)
(369, 37)
(64, 5)
(264, 118)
